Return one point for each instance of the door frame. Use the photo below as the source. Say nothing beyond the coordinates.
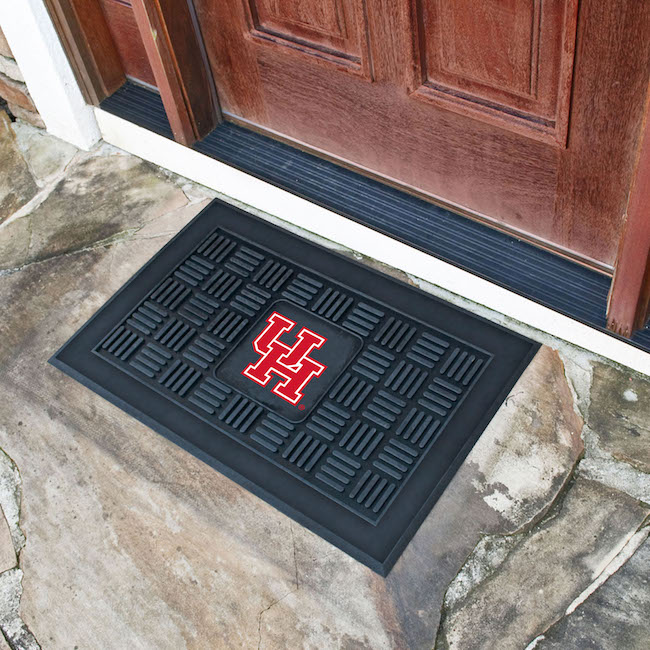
(95, 74)
(170, 33)
(628, 307)
(95, 61)
(46, 68)
(171, 37)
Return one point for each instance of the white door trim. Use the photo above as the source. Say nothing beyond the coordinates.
(49, 77)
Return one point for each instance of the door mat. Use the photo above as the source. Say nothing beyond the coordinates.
(344, 398)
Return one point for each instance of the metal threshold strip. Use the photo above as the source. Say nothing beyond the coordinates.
(551, 280)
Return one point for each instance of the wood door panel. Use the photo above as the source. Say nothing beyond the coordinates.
(483, 54)
(332, 31)
(506, 178)
(318, 21)
(507, 61)
(522, 112)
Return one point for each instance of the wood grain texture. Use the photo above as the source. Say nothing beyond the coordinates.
(429, 149)
(179, 67)
(566, 189)
(505, 61)
(594, 174)
(226, 34)
(90, 47)
(330, 31)
(629, 298)
(376, 126)
(126, 35)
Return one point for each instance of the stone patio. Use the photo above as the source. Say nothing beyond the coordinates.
(112, 537)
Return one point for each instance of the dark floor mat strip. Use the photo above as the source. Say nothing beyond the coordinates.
(519, 266)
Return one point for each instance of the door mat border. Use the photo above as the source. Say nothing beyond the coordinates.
(511, 353)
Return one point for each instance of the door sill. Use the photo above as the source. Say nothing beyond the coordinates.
(430, 198)
(363, 213)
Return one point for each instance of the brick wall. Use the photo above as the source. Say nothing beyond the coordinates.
(13, 89)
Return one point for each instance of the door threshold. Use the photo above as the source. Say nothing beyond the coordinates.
(447, 206)
(487, 266)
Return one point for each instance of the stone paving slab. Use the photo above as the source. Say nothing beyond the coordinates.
(17, 185)
(534, 582)
(619, 414)
(8, 558)
(14, 243)
(141, 545)
(105, 197)
(46, 156)
(615, 617)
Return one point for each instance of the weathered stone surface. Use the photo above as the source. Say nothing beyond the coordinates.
(14, 243)
(13, 540)
(132, 537)
(11, 498)
(544, 572)
(9, 68)
(106, 197)
(204, 560)
(619, 414)
(31, 117)
(137, 541)
(197, 193)
(16, 92)
(171, 223)
(45, 155)
(7, 552)
(615, 616)
(13, 627)
(617, 475)
(527, 453)
(5, 50)
(16, 183)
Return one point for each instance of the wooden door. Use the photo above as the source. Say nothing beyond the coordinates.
(520, 112)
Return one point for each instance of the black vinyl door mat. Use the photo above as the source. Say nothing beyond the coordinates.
(341, 396)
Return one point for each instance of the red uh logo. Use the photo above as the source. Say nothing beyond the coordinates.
(292, 364)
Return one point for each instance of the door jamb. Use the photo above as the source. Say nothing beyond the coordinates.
(94, 60)
(174, 47)
(170, 34)
(628, 305)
